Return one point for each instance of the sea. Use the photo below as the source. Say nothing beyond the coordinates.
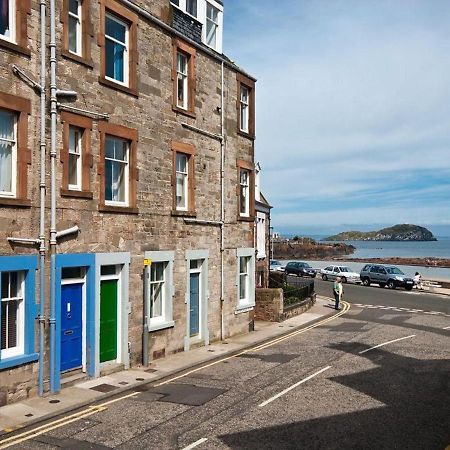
(402, 249)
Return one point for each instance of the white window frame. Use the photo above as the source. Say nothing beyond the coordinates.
(244, 109)
(260, 235)
(19, 349)
(126, 44)
(79, 156)
(166, 319)
(78, 28)
(243, 305)
(211, 22)
(196, 8)
(246, 188)
(126, 172)
(185, 186)
(12, 193)
(12, 23)
(184, 76)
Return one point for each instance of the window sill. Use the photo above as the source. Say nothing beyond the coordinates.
(118, 209)
(244, 308)
(246, 219)
(15, 202)
(178, 213)
(184, 112)
(18, 360)
(161, 326)
(15, 48)
(118, 86)
(78, 59)
(246, 135)
(77, 194)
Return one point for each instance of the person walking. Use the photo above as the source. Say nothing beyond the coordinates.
(338, 290)
(418, 281)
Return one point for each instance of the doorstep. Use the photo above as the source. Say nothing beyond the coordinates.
(37, 409)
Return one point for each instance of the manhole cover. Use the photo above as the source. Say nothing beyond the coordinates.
(123, 383)
(188, 394)
(104, 388)
(54, 401)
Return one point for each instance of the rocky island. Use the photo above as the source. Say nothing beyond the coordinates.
(307, 248)
(403, 232)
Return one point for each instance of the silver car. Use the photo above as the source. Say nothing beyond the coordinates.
(344, 272)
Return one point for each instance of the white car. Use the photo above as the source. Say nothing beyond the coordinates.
(276, 266)
(347, 276)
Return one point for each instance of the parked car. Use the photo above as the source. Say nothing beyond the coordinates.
(347, 275)
(301, 269)
(276, 266)
(389, 276)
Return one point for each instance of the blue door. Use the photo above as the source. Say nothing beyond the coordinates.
(194, 302)
(71, 326)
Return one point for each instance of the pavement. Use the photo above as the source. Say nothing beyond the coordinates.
(38, 409)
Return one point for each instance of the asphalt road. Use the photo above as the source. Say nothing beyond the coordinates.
(326, 388)
(374, 295)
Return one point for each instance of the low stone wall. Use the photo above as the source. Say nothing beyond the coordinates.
(269, 305)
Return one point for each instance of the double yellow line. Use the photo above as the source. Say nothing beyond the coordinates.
(27, 435)
(346, 307)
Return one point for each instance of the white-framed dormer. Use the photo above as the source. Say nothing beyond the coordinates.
(210, 14)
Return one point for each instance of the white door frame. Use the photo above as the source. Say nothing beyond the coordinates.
(203, 298)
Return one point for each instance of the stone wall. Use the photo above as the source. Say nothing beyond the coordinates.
(269, 305)
(154, 227)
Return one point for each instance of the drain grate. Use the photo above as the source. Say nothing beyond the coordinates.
(104, 388)
(188, 394)
(150, 370)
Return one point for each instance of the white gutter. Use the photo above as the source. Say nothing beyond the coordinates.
(18, 240)
(68, 231)
(222, 204)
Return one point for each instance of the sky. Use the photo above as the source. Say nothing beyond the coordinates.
(352, 109)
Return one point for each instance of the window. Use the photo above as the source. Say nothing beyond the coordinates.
(118, 41)
(183, 178)
(244, 197)
(75, 135)
(246, 106)
(244, 102)
(15, 156)
(75, 43)
(181, 181)
(118, 168)
(13, 25)
(76, 155)
(12, 317)
(7, 22)
(212, 25)
(191, 7)
(245, 278)
(261, 235)
(159, 289)
(183, 78)
(245, 190)
(175, 2)
(8, 153)
(116, 52)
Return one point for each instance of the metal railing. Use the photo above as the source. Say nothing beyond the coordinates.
(294, 291)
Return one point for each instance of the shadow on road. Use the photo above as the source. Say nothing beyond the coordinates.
(416, 415)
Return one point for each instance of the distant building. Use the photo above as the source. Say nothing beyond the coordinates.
(262, 233)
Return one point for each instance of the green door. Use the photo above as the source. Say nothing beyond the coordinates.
(108, 320)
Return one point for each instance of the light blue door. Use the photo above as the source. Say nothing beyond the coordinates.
(194, 302)
(71, 326)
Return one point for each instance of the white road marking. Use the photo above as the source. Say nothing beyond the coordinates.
(385, 343)
(433, 313)
(271, 399)
(195, 444)
(446, 328)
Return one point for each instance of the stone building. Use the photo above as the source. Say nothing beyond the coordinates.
(126, 187)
